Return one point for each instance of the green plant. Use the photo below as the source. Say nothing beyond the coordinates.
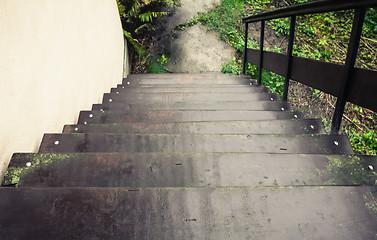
(232, 67)
(363, 143)
(251, 70)
(226, 19)
(190, 23)
(137, 17)
(155, 67)
(235, 67)
(274, 81)
(163, 60)
(315, 91)
(326, 124)
(280, 25)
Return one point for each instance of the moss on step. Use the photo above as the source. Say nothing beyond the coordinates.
(351, 170)
(24, 164)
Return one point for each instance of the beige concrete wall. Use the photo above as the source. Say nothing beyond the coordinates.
(57, 57)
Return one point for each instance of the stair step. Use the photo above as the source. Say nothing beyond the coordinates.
(211, 75)
(305, 126)
(183, 169)
(98, 142)
(128, 84)
(182, 156)
(246, 105)
(185, 80)
(90, 117)
(186, 77)
(241, 89)
(187, 97)
(188, 213)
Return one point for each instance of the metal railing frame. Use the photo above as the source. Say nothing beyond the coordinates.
(292, 12)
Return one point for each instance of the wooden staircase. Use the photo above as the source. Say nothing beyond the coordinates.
(189, 156)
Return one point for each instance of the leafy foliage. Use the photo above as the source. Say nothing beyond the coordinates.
(363, 143)
(226, 19)
(274, 81)
(155, 67)
(234, 66)
(280, 25)
(138, 17)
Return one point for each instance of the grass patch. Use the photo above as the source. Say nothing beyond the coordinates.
(156, 67)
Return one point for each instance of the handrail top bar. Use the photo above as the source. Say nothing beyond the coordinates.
(310, 8)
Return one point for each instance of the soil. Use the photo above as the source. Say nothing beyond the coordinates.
(194, 49)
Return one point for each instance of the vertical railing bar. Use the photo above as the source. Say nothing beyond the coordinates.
(289, 57)
(245, 48)
(261, 52)
(352, 50)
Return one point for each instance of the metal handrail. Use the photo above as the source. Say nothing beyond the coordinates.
(360, 7)
(310, 8)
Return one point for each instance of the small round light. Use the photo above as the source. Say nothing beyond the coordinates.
(122, 86)
(117, 92)
(56, 142)
(90, 115)
(370, 167)
(336, 143)
(272, 99)
(110, 100)
(251, 84)
(311, 126)
(128, 83)
(85, 123)
(282, 109)
(101, 110)
(295, 116)
(28, 164)
(76, 129)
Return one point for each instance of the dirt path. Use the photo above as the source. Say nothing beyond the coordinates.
(194, 49)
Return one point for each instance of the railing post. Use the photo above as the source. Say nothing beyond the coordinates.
(245, 49)
(353, 47)
(261, 52)
(289, 56)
